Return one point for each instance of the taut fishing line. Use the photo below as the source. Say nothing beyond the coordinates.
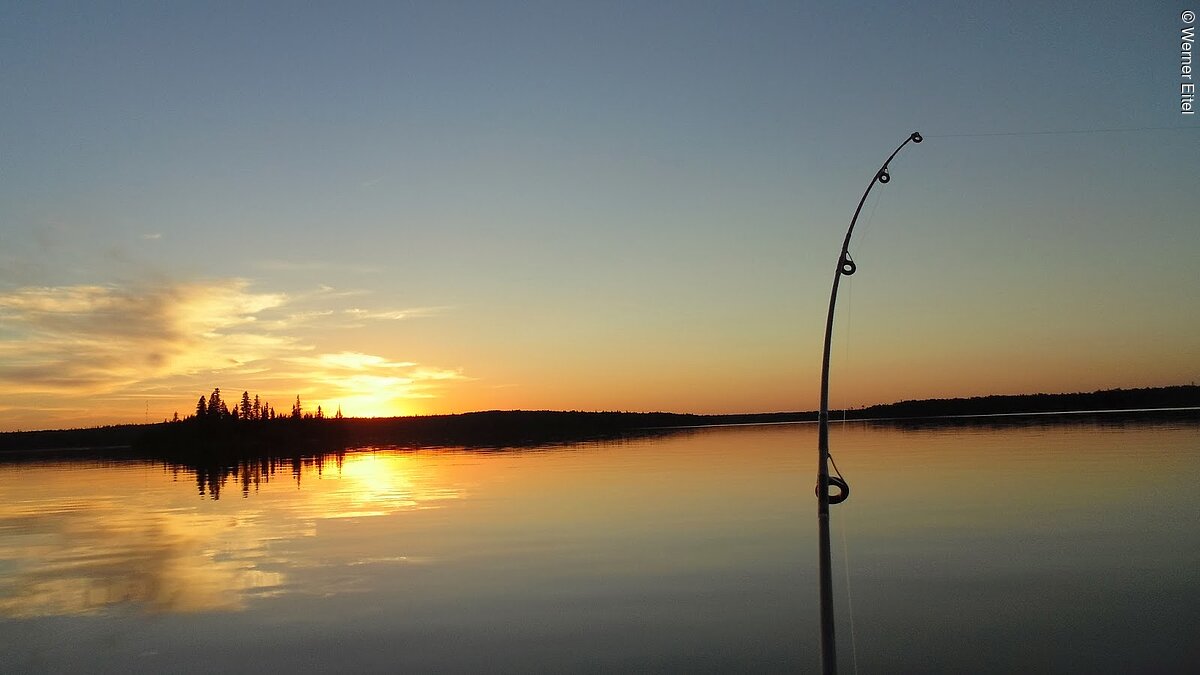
(846, 568)
(849, 313)
(866, 228)
(849, 596)
(1062, 132)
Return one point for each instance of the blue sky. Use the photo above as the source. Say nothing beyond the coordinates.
(586, 205)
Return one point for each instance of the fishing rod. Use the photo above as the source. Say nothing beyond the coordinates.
(845, 267)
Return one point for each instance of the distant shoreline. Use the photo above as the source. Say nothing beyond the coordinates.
(834, 419)
(517, 428)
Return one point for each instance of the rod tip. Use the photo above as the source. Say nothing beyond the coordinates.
(916, 137)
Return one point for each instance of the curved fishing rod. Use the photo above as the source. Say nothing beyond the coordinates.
(845, 267)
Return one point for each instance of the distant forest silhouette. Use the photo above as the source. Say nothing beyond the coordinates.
(251, 427)
(1184, 396)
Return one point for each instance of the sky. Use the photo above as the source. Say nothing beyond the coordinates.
(433, 207)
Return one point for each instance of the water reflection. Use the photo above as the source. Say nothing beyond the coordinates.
(1034, 548)
(89, 538)
(253, 472)
(84, 557)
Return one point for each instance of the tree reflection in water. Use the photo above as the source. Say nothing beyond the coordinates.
(252, 472)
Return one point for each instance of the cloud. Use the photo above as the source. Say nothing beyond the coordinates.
(91, 350)
(436, 374)
(91, 339)
(84, 551)
(152, 236)
(358, 361)
(356, 372)
(394, 314)
(94, 555)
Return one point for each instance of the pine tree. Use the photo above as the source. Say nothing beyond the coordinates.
(320, 414)
(338, 414)
(201, 408)
(217, 407)
(258, 410)
(245, 406)
(297, 410)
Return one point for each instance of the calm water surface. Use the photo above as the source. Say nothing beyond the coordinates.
(1053, 548)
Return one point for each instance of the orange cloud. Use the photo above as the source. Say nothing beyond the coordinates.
(83, 347)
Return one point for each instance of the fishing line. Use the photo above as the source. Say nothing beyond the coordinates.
(849, 597)
(846, 340)
(1061, 132)
(845, 560)
(849, 312)
(835, 468)
(866, 228)
(846, 566)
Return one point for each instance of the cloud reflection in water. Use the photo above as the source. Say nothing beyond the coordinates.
(95, 539)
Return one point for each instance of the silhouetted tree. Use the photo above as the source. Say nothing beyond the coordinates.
(245, 406)
(297, 410)
(320, 413)
(257, 411)
(217, 407)
(201, 408)
(338, 414)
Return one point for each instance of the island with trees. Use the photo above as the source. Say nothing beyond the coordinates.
(252, 425)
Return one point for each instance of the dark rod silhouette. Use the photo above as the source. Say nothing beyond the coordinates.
(847, 267)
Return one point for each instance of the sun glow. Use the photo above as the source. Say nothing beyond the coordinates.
(365, 385)
(376, 404)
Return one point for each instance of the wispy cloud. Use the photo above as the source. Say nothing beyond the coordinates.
(93, 339)
(297, 319)
(152, 236)
(346, 367)
(393, 314)
(352, 361)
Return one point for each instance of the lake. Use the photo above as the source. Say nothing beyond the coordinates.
(1046, 546)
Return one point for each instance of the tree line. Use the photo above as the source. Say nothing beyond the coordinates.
(215, 408)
